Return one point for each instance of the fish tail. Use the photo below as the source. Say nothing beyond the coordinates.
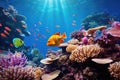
(64, 35)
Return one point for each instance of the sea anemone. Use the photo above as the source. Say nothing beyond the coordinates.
(17, 73)
(82, 53)
(114, 69)
(13, 59)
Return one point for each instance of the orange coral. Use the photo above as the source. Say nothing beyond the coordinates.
(92, 30)
(37, 74)
(82, 53)
(114, 70)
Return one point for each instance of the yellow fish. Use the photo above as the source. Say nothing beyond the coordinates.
(56, 39)
(18, 42)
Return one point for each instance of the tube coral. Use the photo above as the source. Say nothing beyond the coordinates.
(17, 73)
(82, 53)
(114, 69)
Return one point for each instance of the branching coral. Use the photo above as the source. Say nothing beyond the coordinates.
(82, 53)
(17, 73)
(114, 69)
(13, 59)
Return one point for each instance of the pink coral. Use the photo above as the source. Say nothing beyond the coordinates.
(115, 29)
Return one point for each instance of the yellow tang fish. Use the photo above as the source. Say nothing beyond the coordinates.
(18, 42)
(56, 39)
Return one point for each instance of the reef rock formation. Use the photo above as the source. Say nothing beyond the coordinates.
(12, 25)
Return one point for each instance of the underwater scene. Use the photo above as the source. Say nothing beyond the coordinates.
(59, 39)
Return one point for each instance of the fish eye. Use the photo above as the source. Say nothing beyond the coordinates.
(21, 41)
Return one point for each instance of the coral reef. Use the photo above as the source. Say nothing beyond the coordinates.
(115, 29)
(12, 25)
(114, 70)
(73, 41)
(97, 19)
(84, 52)
(37, 73)
(77, 35)
(17, 73)
(93, 30)
(13, 59)
(70, 48)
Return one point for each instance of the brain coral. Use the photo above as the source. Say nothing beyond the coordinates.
(114, 70)
(81, 53)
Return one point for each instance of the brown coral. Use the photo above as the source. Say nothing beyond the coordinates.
(82, 53)
(17, 73)
(71, 47)
(114, 69)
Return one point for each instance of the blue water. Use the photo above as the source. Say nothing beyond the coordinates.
(46, 17)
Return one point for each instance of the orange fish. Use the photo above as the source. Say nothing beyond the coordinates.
(38, 35)
(3, 35)
(0, 24)
(24, 26)
(1, 51)
(11, 45)
(7, 28)
(56, 39)
(14, 20)
(6, 32)
(18, 30)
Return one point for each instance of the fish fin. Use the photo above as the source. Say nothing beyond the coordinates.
(58, 33)
(61, 41)
(51, 43)
(63, 35)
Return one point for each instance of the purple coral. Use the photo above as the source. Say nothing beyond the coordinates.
(13, 59)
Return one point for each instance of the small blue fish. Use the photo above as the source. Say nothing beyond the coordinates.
(98, 35)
